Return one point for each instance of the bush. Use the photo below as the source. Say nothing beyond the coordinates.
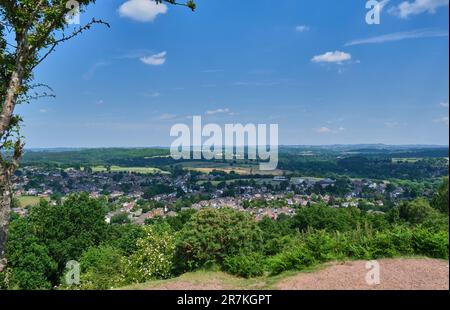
(325, 218)
(322, 245)
(432, 244)
(296, 258)
(416, 211)
(382, 245)
(245, 265)
(213, 234)
(120, 218)
(30, 265)
(69, 229)
(125, 237)
(153, 258)
(101, 268)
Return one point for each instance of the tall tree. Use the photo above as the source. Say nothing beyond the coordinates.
(30, 30)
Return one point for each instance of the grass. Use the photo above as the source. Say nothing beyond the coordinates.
(203, 279)
(218, 280)
(29, 201)
(143, 170)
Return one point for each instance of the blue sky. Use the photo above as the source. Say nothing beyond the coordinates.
(313, 67)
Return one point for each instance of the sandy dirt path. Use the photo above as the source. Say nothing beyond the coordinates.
(395, 274)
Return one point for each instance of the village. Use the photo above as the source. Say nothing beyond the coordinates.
(137, 197)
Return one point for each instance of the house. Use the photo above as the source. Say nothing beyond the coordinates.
(280, 178)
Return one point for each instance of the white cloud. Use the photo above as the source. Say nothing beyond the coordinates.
(329, 130)
(391, 124)
(301, 28)
(332, 57)
(153, 94)
(155, 60)
(443, 120)
(142, 10)
(218, 111)
(166, 116)
(397, 36)
(416, 7)
(444, 104)
(382, 4)
(93, 69)
(323, 130)
(43, 110)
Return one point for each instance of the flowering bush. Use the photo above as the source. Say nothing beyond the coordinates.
(153, 258)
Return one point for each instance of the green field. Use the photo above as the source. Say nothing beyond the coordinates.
(143, 170)
(29, 201)
(239, 168)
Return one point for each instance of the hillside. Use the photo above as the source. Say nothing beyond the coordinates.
(399, 274)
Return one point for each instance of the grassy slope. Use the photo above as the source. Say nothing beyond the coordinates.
(217, 280)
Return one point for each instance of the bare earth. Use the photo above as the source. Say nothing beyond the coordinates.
(395, 274)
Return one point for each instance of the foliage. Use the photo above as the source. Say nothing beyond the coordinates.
(432, 244)
(321, 246)
(125, 237)
(101, 268)
(245, 265)
(213, 234)
(120, 218)
(275, 234)
(153, 258)
(30, 264)
(440, 201)
(70, 228)
(296, 258)
(40, 245)
(416, 212)
(330, 219)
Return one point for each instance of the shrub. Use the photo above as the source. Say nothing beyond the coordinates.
(296, 258)
(30, 265)
(245, 265)
(120, 218)
(381, 245)
(322, 245)
(432, 244)
(153, 258)
(101, 268)
(213, 234)
(325, 218)
(402, 240)
(69, 229)
(416, 211)
(124, 237)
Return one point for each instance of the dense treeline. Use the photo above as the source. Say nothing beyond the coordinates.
(370, 163)
(92, 157)
(366, 167)
(41, 244)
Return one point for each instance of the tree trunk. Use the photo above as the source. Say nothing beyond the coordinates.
(6, 112)
(5, 210)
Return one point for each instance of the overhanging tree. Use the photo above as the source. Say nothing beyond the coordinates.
(30, 30)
